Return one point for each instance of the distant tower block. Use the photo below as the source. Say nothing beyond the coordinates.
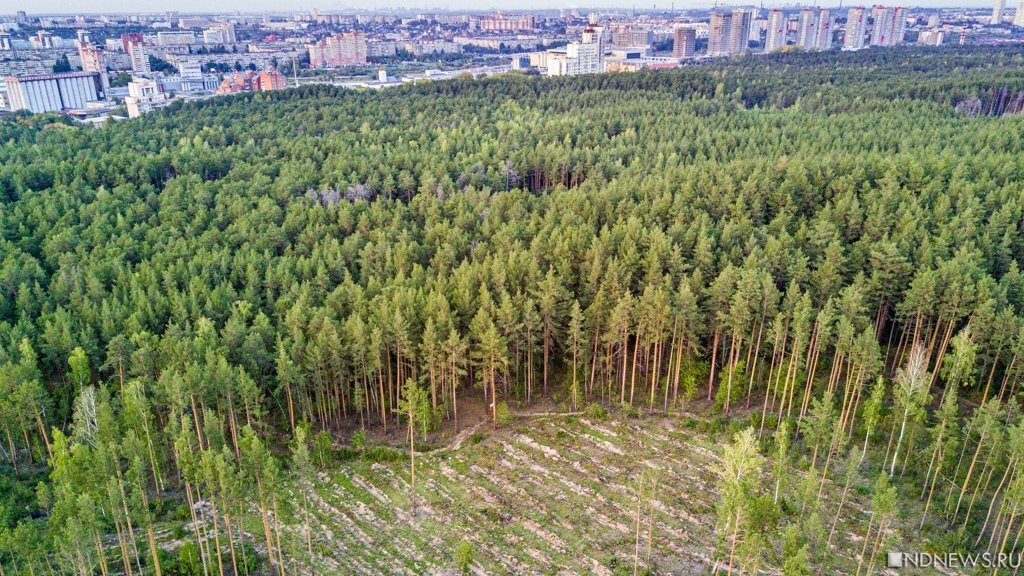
(997, 12)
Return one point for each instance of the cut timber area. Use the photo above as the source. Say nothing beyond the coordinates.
(550, 494)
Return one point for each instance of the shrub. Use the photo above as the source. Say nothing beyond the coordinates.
(504, 415)
(424, 447)
(464, 557)
(631, 411)
(359, 440)
(382, 454)
(595, 411)
(322, 448)
(181, 512)
(189, 563)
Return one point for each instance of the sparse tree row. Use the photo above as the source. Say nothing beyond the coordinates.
(193, 303)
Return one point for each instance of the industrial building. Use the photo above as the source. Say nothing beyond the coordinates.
(52, 92)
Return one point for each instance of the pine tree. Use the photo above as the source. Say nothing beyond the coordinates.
(575, 337)
(413, 397)
(303, 475)
(737, 480)
(911, 389)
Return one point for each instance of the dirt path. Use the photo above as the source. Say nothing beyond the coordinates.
(466, 433)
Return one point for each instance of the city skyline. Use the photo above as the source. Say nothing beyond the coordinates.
(58, 7)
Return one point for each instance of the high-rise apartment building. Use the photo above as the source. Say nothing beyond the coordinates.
(348, 49)
(1018, 17)
(881, 25)
(757, 27)
(175, 38)
(890, 26)
(997, 11)
(133, 37)
(220, 34)
(739, 34)
(823, 28)
(94, 59)
(135, 48)
(5, 42)
(45, 40)
(899, 26)
(507, 22)
(718, 34)
(729, 33)
(807, 31)
(815, 29)
(583, 57)
(776, 36)
(270, 79)
(856, 27)
(633, 37)
(317, 54)
(684, 42)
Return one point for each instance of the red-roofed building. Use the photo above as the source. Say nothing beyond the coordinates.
(250, 81)
(270, 79)
(237, 82)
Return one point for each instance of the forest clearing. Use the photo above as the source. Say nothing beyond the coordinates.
(549, 494)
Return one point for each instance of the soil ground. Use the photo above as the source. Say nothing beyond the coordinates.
(548, 494)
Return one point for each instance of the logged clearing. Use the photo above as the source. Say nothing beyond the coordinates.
(546, 495)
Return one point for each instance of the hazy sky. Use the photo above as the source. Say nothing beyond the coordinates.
(94, 6)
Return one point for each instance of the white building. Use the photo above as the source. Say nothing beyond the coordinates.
(1018, 17)
(424, 48)
(882, 25)
(44, 40)
(180, 85)
(144, 96)
(220, 34)
(776, 36)
(585, 56)
(856, 27)
(52, 92)
(381, 48)
(997, 12)
(190, 69)
(899, 26)
(931, 37)
(815, 29)
(138, 55)
(177, 38)
(729, 33)
(190, 79)
(890, 26)
(825, 26)
(806, 31)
